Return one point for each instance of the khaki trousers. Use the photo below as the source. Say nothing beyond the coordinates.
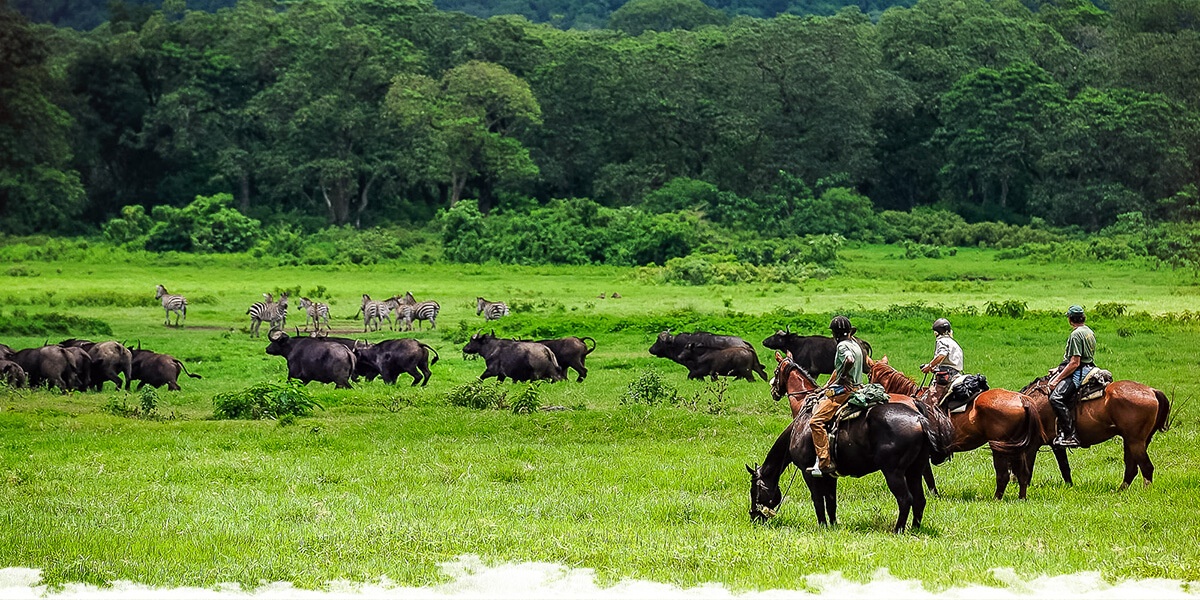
(820, 434)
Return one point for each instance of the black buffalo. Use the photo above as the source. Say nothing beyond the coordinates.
(739, 362)
(314, 359)
(110, 360)
(570, 352)
(390, 358)
(362, 368)
(814, 353)
(81, 364)
(156, 370)
(6, 353)
(52, 365)
(701, 342)
(522, 361)
(12, 374)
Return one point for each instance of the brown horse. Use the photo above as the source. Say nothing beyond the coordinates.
(894, 438)
(1008, 422)
(1129, 409)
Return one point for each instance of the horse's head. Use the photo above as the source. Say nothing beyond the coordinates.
(789, 377)
(764, 498)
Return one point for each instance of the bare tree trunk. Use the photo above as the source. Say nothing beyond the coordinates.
(244, 193)
(363, 199)
(457, 184)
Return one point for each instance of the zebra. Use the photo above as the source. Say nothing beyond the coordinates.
(171, 303)
(274, 313)
(373, 310)
(409, 309)
(490, 310)
(315, 312)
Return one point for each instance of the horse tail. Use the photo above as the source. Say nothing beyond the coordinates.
(1163, 421)
(938, 432)
(1032, 433)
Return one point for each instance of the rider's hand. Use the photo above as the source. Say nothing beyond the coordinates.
(925, 368)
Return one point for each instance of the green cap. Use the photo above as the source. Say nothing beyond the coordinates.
(1075, 310)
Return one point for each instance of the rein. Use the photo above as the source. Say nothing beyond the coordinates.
(771, 512)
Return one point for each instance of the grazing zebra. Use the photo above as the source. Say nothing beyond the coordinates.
(490, 310)
(373, 310)
(274, 313)
(408, 309)
(315, 312)
(171, 303)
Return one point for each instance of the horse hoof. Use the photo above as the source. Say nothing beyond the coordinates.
(1124, 486)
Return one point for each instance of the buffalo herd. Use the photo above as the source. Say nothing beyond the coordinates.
(76, 364)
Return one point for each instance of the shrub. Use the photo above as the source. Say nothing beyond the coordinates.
(207, 224)
(650, 388)
(527, 400)
(1110, 309)
(264, 401)
(133, 225)
(1013, 309)
(21, 323)
(478, 394)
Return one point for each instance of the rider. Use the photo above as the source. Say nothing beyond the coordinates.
(947, 361)
(846, 378)
(1077, 361)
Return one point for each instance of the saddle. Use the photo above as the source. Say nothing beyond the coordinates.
(963, 391)
(1093, 385)
(856, 406)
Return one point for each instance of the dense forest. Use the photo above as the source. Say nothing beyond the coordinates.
(375, 112)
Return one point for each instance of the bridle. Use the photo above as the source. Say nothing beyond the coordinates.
(765, 510)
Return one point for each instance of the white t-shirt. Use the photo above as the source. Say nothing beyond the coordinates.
(954, 354)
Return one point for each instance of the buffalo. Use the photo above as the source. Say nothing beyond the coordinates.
(814, 353)
(314, 359)
(390, 358)
(50, 364)
(739, 362)
(522, 361)
(81, 364)
(110, 360)
(687, 349)
(362, 368)
(570, 352)
(12, 374)
(6, 353)
(156, 370)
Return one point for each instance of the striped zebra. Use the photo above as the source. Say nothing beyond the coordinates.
(315, 312)
(490, 310)
(408, 309)
(375, 311)
(171, 303)
(274, 313)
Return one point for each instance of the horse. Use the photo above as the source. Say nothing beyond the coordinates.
(893, 437)
(1132, 410)
(1008, 422)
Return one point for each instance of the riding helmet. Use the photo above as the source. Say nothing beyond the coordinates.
(840, 326)
(941, 326)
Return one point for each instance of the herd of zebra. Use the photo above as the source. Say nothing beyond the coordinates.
(374, 312)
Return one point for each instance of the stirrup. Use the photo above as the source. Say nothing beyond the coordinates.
(1065, 441)
(815, 470)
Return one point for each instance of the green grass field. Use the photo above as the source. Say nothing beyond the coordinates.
(392, 480)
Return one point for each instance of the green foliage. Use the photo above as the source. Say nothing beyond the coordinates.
(637, 16)
(208, 224)
(724, 269)
(146, 407)
(22, 323)
(650, 388)
(1110, 310)
(264, 401)
(479, 395)
(1012, 309)
(527, 399)
(133, 225)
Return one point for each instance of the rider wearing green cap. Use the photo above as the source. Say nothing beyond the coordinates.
(1077, 361)
(846, 379)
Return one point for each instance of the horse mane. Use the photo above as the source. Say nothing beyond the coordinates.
(903, 383)
(1036, 382)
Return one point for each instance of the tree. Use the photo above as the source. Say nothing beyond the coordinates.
(637, 16)
(39, 192)
(472, 114)
(994, 131)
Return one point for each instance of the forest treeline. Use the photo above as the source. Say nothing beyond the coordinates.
(375, 112)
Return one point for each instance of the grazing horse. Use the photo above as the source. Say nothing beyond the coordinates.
(894, 438)
(1129, 409)
(1007, 421)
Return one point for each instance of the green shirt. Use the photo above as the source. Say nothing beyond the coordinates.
(1082, 343)
(844, 371)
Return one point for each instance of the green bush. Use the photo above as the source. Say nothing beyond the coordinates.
(21, 323)
(208, 224)
(527, 399)
(264, 401)
(478, 394)
(1013, 309)
(650, 388)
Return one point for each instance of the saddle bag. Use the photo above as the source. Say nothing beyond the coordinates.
(868, 395)
(1093, 384)
(963, 391)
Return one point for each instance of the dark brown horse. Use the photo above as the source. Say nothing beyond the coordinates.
(894, 438)
(1129, 409)
(1007, 421)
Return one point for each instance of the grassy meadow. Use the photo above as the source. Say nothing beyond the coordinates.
(392, 480)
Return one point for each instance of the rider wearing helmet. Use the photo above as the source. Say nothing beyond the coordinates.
(846, 378)
(1077, 361)
(947, 360)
